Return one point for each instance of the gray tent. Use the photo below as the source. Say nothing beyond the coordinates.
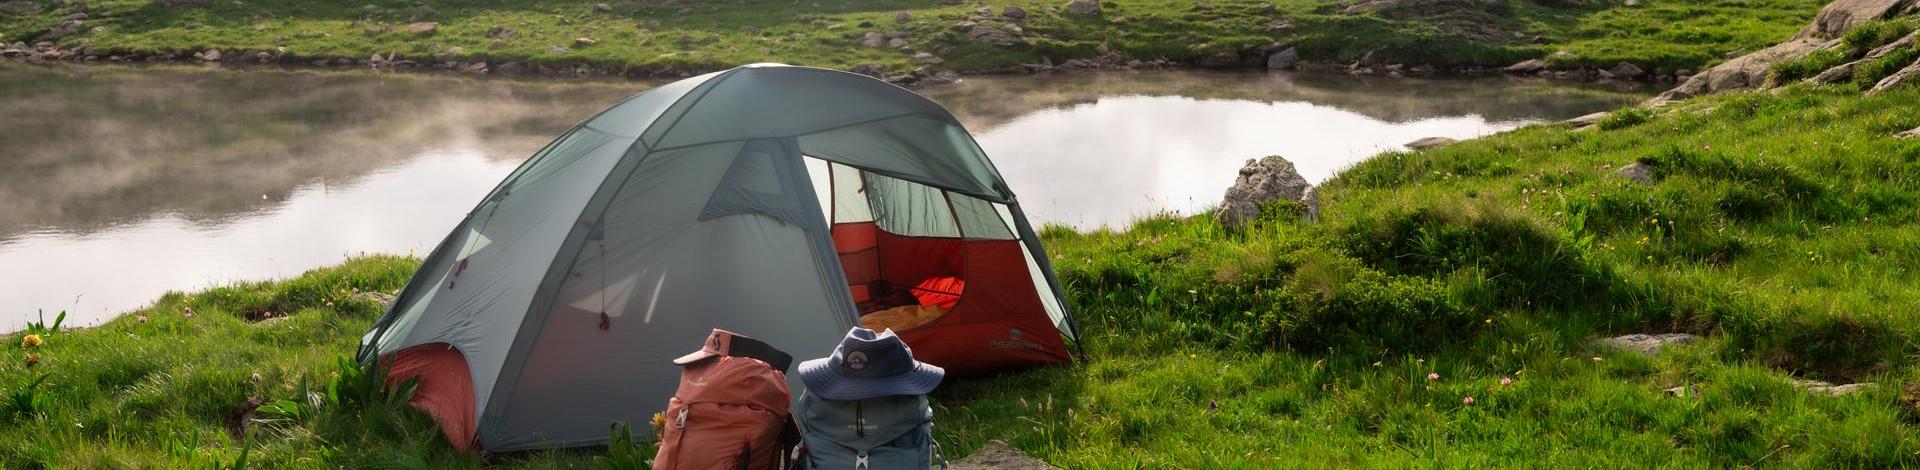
(778, 202)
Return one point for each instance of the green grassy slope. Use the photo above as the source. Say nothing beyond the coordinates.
(678, 37)
(1783, 227)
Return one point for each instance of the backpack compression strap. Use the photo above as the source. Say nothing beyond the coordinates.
(748, 347)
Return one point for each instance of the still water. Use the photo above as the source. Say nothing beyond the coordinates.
(119, 184)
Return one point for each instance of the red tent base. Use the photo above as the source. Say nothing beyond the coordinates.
(445, 391)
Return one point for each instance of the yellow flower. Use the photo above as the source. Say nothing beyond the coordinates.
(659, 422)
(32, 341)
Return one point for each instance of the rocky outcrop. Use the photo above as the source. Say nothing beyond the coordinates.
(996, 455)
(1430, 142)
(1742, 73)
(1263, 181)
(1906, 76)
(1825, 388)
(1833, 21)
(1648, 345)
(1842, 15)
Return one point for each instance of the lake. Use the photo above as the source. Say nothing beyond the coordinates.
(118, 184)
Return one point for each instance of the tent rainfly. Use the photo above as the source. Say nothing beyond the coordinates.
(784, 203)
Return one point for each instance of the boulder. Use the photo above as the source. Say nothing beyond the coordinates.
(425, 28)
(994, 35)
(1587, 120)
(1430, 142)
(871, 70)
(1822, 387)
(1283, 60)
(1527, 66)
(211, 55)
(1014, 12)
(1906, 76)
(922, 58)
(1842, 15)
(1082, 8)
(1648, 345)
(1637, 172)
(1371, 6)
(1745, 72)
(377, 298)
(1626, 71)
(903, 17)
(1837, 74)
(1262, 181)
(602, 7)
(997, 455)
(1913, 133)
(19, 8)
(874, 39)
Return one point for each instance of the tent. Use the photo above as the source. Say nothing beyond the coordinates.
(779, 202)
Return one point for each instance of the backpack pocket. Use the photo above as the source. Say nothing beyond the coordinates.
(718, 435)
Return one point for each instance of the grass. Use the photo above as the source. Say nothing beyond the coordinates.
(682, 37)
(1854, 46)
(1490, 263)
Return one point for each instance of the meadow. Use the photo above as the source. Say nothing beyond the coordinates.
(1441, 310)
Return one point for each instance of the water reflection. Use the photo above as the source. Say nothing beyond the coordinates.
(123, 183)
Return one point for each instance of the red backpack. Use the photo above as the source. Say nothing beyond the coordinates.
(731, 408)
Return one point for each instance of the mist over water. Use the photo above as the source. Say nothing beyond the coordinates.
(120, 184)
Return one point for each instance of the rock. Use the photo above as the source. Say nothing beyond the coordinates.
(1842, 15)
(584, 42)
(377, 298)
(1430, 142)
(1906, 76)
(602, 7)
(19, 8)
(1684, 391)
(996, 455)
(922, 58)
(501, 32)
(897, 43)
(871, 70)
(211, 55)
(1527, 66)
(1261, 181)
(186, 3)
(1816, 386)
(1913, 133)
(1626, 70)
(1283, 60)
(1837, 74)
(1014, 12)
(941, 77)
(510, 68)
(993, 35)
(873, 39)
(476, 68)
(1082, 8)
(1637, 172)
(1745, 72)
(903, 17)
(424, 28)
(1648, 345)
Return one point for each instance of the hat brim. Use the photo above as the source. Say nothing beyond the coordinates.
(693, 357)
(822, 381)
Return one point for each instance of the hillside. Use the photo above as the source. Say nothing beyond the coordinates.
(672, 37)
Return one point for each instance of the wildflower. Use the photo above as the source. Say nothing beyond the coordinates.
(1193, 356)
(33, 359)
(1596, 359)
(254, 378)
(1467, 401)
(142, 318)
(1433, 376)
(187, 312)
(32, 341)
(1505, 381)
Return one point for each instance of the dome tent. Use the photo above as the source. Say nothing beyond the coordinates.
(774, 201)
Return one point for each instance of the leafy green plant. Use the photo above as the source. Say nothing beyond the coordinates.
(27, 401)
(40, 327)
(1624, 118)
(361, 384)
(623, 453)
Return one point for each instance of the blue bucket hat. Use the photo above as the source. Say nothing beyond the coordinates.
(867, 365)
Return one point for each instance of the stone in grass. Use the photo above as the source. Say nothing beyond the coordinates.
(1816, 386)
(1913, 133)
(1589, 120)
(1430, 142)
(998, 455)
(1083, 8)
(1648, 345)
(1637, 172)
(1262, 181)
(424, 28)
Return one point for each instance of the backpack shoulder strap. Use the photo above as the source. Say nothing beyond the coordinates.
(748, 347)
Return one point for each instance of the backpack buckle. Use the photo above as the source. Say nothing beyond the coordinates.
(860, 461)
(681, 421)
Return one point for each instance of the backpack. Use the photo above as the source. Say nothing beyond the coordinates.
(730, 409)
(890, 432)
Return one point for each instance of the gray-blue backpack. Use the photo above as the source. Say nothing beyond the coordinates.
(890, 432)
